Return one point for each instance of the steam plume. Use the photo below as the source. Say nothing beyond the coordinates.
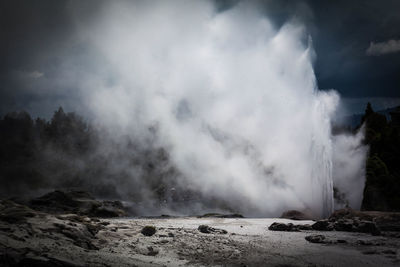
(233, 99)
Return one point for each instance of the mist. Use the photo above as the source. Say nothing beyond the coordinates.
(232, 99)
(191, 108)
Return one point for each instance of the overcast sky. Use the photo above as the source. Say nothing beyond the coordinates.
(357, 44)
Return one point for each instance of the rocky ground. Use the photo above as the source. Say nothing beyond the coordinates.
(35, 237)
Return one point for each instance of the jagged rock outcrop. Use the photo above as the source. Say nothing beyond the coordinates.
(77, 202)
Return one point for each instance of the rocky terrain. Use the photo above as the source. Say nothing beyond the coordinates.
(75, 231)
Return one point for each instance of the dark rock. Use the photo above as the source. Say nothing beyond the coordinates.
(305, 227)
(204, 229)
(384, 221)
(104, 212)
(388, 222)
(171, 235)
(347, 225)
(344, 225)
(289, 227)
(207, 230)
(57, 201)
(322, 225)
(94, 228)
(367, 227)
(80, 236)
(148, 230)
(15, 213)
(74, 218)
(315, 238)
(283, 227)
(295, 215)
(79, 202)
(221, 231)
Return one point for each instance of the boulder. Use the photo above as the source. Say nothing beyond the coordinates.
(344, 225)
(204, 229)
(208, 230)
(347, 225)
(289, 227)
(322, 225)
(283, 227)
(148, 230)
(384, 221)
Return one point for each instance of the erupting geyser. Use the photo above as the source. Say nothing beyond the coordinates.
(234, 100)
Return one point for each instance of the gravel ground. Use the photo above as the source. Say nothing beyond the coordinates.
(71, 240)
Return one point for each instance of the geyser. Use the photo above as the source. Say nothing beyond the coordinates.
(234, 100)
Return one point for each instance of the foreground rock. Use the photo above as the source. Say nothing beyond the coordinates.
(344, 225)
(385, 221)
(288, 227)
(148, 230)
(20, 224)
(208, 230)
(348, 220)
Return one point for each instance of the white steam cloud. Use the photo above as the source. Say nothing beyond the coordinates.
(349, 158)
(233, 99)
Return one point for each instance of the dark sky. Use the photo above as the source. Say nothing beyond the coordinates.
(357, 45)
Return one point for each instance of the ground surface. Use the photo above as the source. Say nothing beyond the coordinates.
(81, 241)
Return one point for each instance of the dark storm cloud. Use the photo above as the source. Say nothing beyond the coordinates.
(344, 31)
(31, 33)
(39, 38)
(42, 55)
